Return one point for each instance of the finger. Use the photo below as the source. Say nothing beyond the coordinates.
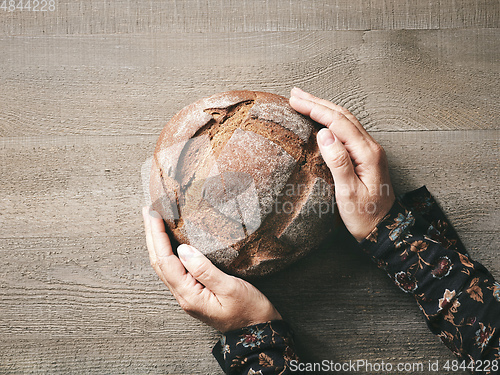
(169, 266)
(149, 237)
(204, 271)
(149, 240)
(338, 160)
(153, 259)
(161, 242)
(305, 95)
(183, 286)
(344, 129)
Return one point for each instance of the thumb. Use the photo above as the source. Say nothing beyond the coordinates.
(337, 158)
(203, 270)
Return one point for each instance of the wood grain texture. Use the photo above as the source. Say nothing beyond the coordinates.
(132, 84)
(97, 180)
(155, 16)
(77, 294)
(84, 93)
(93, 305)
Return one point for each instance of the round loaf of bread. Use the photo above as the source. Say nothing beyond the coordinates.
(239, 176)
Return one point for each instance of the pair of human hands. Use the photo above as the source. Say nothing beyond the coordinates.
(363, 194)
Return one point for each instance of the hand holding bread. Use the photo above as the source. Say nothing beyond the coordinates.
(363, 189)
(202, 290)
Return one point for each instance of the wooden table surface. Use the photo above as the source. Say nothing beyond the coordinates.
(85, 89)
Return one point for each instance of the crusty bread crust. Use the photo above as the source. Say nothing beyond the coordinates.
(239, 176)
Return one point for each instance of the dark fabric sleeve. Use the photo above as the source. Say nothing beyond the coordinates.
(265, 348)
(418, 248)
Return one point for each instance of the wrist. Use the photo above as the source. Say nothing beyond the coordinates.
(375, 220)
(248, 322)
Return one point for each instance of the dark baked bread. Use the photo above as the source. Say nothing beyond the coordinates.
(239, 176)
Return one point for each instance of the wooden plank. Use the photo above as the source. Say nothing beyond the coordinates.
(100, 286)
(132, 84)
(97, 180)
(108, 355)
(95, 304)
(415, 79)
(455, 168)
(155, 16)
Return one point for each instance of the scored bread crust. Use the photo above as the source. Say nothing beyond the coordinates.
(222, 168)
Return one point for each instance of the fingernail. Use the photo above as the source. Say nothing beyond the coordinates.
(185, 252)
(296, 91)
(325, 137)
(154, 214)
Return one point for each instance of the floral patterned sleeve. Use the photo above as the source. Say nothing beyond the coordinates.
(421, 252)
(265, 348)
